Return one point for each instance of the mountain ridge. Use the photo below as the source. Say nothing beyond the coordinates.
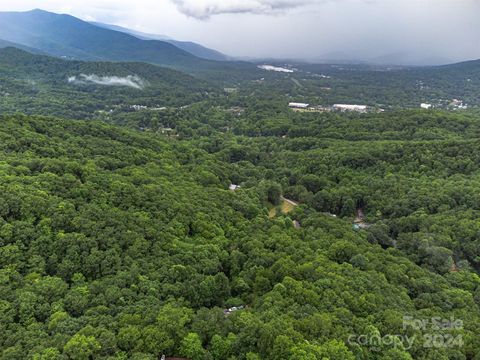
(67, 36)
(188, 46)
(8, 44)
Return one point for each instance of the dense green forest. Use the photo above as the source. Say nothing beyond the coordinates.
(149, 212)
(117, 244)
(44, 85)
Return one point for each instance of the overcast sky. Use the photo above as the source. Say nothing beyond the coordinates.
(406, 30)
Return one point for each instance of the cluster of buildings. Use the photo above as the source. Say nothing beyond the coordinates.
(144, 107)
(230, 90)
(347, 107)
(296, 106)
(454, 104)
(457, 104)
(302, 107)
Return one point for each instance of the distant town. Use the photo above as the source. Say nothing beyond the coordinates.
(454, 104)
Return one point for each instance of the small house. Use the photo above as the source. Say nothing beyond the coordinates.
(233, 187)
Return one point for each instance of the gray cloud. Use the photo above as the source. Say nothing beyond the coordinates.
(204, 9)
(132, 81)
(382, 31)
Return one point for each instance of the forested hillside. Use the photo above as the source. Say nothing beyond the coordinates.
(45, 85)
(116, 244)
(413, 174)
(5, 44)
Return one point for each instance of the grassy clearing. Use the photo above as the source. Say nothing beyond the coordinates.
(284, 208)
(287, 207)
(272, 212)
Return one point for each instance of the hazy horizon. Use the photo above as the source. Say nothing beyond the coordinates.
(411, 32)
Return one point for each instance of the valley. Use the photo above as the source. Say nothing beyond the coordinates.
(155, 204)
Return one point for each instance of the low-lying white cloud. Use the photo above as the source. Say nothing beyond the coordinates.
(275, 68)
(204, 9)
(132, 81)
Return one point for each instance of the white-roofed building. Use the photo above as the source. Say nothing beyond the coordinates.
(296, 105)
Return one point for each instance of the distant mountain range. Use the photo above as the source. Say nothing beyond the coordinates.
(42, 32)
(69, 37)
(65, 36)
(191, 47)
